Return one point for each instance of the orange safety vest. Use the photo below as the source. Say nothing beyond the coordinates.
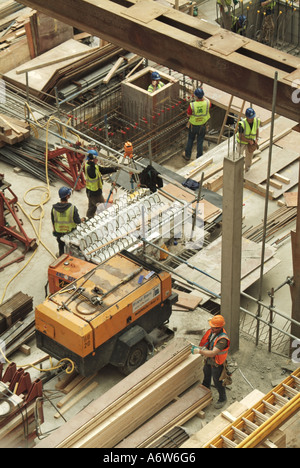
(204, 343)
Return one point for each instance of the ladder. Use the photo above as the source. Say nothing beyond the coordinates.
(257, 423)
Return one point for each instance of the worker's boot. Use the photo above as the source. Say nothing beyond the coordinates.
(220, 404)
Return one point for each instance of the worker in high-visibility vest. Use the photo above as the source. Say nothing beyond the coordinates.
(94, 183)
(156, 82)
(225, 7)
(64, 217)
(268, 23)
(247, 137)
(239, 24)
(214, 346)
(199, 114)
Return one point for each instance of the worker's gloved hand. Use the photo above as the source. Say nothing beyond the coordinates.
(193, 349)
(235, 2)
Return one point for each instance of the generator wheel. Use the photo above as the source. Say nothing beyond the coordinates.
(136, 357)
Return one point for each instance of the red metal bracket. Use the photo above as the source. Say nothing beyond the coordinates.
(71, 172)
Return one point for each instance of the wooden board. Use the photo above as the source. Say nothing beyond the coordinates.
(207, 209)
(188, 301)
(39, 78)
(170, 370)
(210, 261)
(291, 198)
(290, 141)
(225, 42)
(177, 413)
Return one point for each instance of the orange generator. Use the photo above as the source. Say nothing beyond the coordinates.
(106, 315)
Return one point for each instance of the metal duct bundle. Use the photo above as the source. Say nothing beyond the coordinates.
(123, 224)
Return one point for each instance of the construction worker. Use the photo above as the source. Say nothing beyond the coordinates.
(198, 113)
(64, 217)
(247, 138)
(214, 347)
(268, 24)
(94, 183)
(155, 82)
(239, 24)
(225, 12)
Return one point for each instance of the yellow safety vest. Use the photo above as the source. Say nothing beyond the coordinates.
(96, 183)
(249, 133)
(64, 222)
(200, 112)
(227, 2)
(150, 87)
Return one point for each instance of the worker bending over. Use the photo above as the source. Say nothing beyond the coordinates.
(94, 183)
(64, 217)
(247, 138)
(214, 347)
(155, 82)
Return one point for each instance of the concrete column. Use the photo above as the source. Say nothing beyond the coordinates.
(295, 288)
(233, 178)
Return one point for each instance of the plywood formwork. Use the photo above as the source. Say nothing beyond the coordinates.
(139, 104)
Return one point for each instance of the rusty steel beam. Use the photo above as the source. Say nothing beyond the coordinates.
(189, 45)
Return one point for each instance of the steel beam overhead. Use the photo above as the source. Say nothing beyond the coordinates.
(189, 45)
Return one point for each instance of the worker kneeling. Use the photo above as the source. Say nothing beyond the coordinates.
(214, 347)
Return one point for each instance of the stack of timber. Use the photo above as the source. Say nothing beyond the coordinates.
(14, 309)
(276, 221)
(172, 439)
(117, 413)
(20, 333)
(63, 64)
(12, 130)
(21, 407)
(177, 413)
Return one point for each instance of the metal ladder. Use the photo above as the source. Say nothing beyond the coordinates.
(257, 423)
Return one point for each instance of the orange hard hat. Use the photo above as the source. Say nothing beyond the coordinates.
(217, 321)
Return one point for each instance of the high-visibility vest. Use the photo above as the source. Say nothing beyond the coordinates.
(93, 184)
(151, 88)
(270, 6)
(249, 133)
(227, 2)
(206, 343)
(64, 221)
(200, 112)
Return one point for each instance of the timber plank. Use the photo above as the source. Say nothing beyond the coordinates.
(177, 413)
(108, 403)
